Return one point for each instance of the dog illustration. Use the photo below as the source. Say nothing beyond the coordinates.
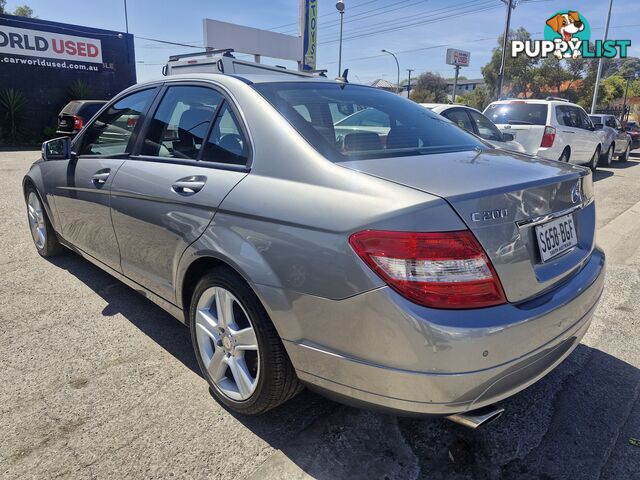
(566, 25)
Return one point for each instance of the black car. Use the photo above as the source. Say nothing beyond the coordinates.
(75, 114)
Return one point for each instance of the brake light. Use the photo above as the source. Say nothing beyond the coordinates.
(439, 270)
(77, 122)
(548, 137)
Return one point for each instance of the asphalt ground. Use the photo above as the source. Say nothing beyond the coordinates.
(97, 382)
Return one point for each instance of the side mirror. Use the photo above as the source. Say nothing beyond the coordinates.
(598, 126)
(57, 149)
(508, 137)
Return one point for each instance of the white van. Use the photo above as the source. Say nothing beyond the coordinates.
(553, 128)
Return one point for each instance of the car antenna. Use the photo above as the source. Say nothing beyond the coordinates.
(343, 79)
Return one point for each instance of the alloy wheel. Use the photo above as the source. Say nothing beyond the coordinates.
(227, 343)
(36, 220)
(609, 157)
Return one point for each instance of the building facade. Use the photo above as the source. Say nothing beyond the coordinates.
(47, 64)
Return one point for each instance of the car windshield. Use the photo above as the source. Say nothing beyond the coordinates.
(517, 113)
(349, 122)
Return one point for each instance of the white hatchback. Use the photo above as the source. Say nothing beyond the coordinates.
(553, 128)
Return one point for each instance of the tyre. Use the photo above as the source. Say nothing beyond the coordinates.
(606, 159)
(625, 156)
(565, 156)
(42, 232)
(593, 164)
(237, 347)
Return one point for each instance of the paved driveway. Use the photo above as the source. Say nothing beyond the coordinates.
(97, 382)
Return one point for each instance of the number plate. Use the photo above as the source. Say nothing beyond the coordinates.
(556, 236)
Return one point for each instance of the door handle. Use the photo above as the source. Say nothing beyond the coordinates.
(100, 177)
(189, 185)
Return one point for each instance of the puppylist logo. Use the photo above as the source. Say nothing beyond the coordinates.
(567, 35)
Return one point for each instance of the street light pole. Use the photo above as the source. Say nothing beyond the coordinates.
(505, 44)
(340, 8)
(594, 102)
(409, 83)
(397, 65)
(126, 17)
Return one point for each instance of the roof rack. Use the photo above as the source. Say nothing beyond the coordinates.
(557, 99)
(227, 52)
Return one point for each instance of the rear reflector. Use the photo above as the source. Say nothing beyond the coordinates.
(77, 122)
(548, 137)
(438, 270)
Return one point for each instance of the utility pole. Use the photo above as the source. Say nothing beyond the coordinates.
(126, 17)
(624, 102)
(511, 4)
(597, 85)
(409, 83)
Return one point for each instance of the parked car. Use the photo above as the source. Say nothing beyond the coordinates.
(475, 122)
(633, 129)
(551, 128)
(613, 138)
(425, 274)
(75, 114)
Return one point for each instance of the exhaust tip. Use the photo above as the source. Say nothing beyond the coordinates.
(477, 418)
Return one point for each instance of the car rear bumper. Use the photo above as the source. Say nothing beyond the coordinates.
(381, 351)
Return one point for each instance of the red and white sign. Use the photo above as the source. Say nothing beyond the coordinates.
(36, 43)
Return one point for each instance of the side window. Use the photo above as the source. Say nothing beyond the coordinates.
(111, 132)
(226, 143)
(568, 116)
(583, 119)
(460, 118)
(303, 110)
(611, 122)
(486, 129)
(181, 122)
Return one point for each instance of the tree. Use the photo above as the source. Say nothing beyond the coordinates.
(23, 11)
(478, 98)
(519, 71)
(429, 88)
(3, 4)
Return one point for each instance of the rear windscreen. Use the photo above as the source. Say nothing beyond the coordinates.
(517, 113)
(89, 110)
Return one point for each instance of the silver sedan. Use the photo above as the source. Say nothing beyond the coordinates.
(401, 265)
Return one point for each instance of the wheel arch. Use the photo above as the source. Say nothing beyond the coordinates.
(29, 181)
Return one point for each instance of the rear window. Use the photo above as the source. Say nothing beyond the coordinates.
(517, 113)
(349, 122)
(70, 108)
(89, 110)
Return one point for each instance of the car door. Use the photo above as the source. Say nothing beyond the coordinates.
(82, 188)
(192, 153)
(590, 139)
(568, 119)
(621, 135)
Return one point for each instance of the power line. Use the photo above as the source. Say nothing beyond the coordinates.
(413, 24)
(427, 15)
(324, 15)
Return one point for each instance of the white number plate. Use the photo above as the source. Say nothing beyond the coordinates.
(556, 236)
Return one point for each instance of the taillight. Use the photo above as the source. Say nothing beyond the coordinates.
(77, 122)
(548, 137)
(439, 270)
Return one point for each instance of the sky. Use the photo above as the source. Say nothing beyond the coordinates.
(419, 31)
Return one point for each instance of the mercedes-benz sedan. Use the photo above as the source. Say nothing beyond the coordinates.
(414, 269)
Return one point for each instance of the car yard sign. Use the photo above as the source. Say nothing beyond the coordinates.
(458, 58)
(21, 42)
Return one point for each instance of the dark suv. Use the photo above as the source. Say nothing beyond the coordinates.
(75, 114)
